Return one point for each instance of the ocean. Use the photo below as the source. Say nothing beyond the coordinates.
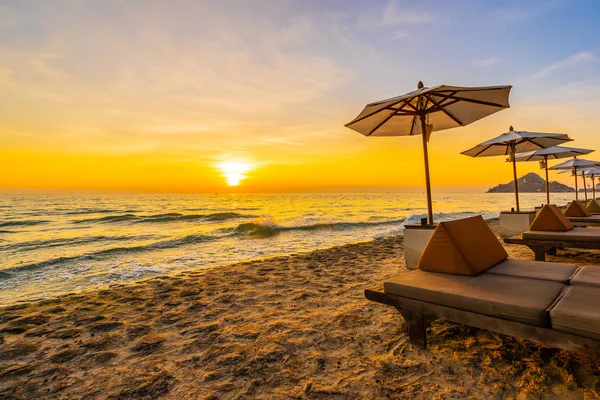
(56, 244)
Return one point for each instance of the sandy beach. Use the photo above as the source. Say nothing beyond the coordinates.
(286, 327)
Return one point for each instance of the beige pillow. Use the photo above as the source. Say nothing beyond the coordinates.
(550, 218)
(576, 209)
(462, 247)
(593, 206)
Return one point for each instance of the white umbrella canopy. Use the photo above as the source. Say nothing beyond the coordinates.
(430, 109)
(512, 142)
(577, 164)
(554, 152)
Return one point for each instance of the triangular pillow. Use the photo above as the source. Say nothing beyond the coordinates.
(577, 209)
(593, 206)
(462, 247)
(550, 218)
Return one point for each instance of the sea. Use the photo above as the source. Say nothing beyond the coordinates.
(56, 244)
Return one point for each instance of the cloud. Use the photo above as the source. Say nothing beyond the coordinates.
(487, 62)
(147, 80)
(523, 11)
(401, 34)
(392, 16)
(569, 63)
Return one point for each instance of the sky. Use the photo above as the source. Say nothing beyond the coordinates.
(252, 96)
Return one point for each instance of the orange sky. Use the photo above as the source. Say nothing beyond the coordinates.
(140, 97)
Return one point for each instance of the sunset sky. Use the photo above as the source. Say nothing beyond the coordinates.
(188, 96)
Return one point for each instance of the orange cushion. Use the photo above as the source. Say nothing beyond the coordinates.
(593, 206)
(462, 247)
(577, 209)
(550, 218)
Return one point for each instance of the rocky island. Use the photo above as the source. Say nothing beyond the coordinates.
(531, 183)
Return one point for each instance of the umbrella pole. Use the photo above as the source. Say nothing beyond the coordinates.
(576, 190)
(547, 182)
(426, 158)
(514, 163)
(584, 184)
(593, 188)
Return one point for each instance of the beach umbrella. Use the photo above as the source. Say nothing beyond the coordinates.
(512, 142)
(552, 153)
(574, 165)
(582, 173)
(430, 109)
(593, 173)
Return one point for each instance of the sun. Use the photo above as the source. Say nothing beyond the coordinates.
(234, 171)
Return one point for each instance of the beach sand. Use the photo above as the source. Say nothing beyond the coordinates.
(287, 327)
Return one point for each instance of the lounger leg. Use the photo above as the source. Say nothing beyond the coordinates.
(540, 252)
(417, 327)
(551, 251)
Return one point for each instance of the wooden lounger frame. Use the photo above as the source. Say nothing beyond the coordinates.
(541, 247)
(419, 314)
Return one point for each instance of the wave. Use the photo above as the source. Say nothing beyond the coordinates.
(84, 211)
(109, 218)
(26, 222)
(165, 244)
(265, 227)
(38, 244)
(168, 217)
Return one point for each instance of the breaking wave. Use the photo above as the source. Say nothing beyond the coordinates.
(165, 218)
(265, 227)
(165, 244)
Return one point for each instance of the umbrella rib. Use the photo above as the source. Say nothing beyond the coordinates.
(381, 123)
(379, 110)
(477, 155)
(443, 109)
(485, 103)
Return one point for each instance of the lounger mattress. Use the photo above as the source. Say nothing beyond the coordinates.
(591, 235)
(547, 271)
(587, 276)
(577, 312)
(517, 299)
(595, 219)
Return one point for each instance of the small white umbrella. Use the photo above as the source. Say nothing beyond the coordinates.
(512, 142)
(583, 173)
(593, 173)
(553, 153)
(574, 165)
(429, 109)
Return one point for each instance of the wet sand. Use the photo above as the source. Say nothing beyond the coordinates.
(287, 327)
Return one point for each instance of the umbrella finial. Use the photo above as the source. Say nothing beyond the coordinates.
(511, 128)
(420, 85)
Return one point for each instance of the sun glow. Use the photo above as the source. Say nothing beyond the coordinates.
(234, 171)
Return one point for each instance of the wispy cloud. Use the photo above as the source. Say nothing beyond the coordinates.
(393, 16)
(523, 11)
(401, 34)
(571, 62)
(487, 62)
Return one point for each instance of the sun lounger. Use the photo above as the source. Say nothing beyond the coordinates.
(465, 276)
(592, 220)
(540, 310)
(546, 242)
(551, 230)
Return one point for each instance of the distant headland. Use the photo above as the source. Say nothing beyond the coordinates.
(531, 183)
